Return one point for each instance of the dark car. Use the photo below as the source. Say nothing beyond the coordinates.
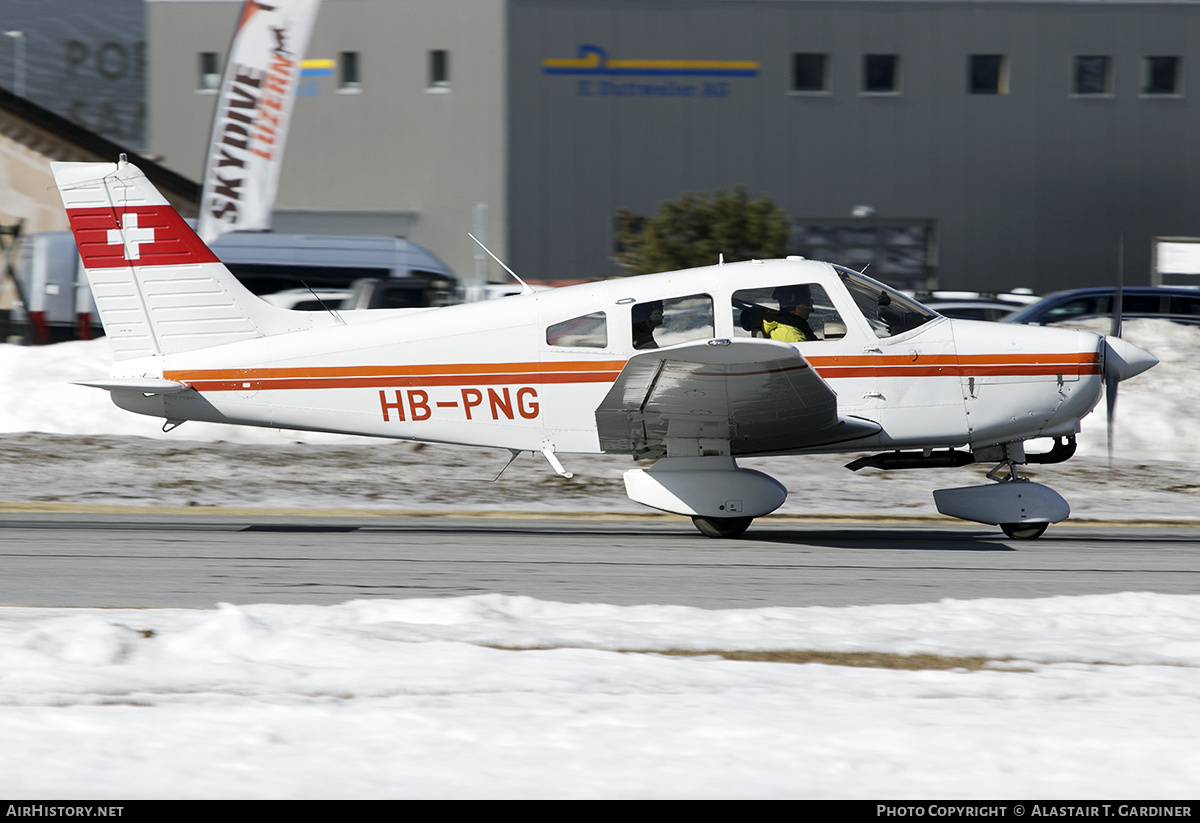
(972, 308)
(1179, 303)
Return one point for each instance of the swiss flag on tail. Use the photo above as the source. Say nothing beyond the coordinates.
(137, 236)
(120, 219)
(158, 288)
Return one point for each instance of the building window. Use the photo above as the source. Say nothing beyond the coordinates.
(1092, 76)
(210, 71)
(810, 73)
(349, 72)
(881, 74)
(1161, 77)
(439, 69)
(987, 74)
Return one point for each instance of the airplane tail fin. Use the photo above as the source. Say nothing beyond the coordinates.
(158, 288)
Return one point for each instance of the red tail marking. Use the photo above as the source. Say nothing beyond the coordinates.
(146, 236)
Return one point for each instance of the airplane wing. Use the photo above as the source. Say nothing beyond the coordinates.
(760, 396)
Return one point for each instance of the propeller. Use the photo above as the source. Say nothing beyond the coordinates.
(1122, 360)
(1114, 333)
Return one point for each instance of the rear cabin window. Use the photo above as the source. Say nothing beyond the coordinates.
(673, 320)
(793, 313)
(589, 331)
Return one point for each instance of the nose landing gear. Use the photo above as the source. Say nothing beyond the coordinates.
(1022, 509)
(1018, 531)
(722, 526)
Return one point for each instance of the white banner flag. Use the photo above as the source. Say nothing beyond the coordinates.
(250, 123)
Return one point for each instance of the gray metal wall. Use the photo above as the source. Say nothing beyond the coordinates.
(80, 59)
(392, 148)
(1030, 188)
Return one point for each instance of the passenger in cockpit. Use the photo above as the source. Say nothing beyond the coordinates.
(646, 318)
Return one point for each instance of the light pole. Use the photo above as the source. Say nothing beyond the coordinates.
(18, 61)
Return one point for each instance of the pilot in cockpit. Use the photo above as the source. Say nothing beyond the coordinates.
(790, 323)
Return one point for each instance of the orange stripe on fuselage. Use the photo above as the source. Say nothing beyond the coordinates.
(606, 371)
(377, 371)
(949, 365)
(347, 377)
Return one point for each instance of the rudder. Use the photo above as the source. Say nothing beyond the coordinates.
(158, 288)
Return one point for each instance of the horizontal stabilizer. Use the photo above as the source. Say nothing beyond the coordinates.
(143, 385)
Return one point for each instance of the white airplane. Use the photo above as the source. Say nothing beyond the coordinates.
(678, 368)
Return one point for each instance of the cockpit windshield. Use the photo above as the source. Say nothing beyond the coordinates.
(887, 311)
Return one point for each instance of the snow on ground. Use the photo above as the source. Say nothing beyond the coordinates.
(1088, 697)
(414, 699)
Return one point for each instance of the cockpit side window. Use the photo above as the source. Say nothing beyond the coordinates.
(793, 313)
(886, 310)
(589, 331)
(659, 323)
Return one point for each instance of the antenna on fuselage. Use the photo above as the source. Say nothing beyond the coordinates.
(525, 289)
(515, 454)
(336, 316)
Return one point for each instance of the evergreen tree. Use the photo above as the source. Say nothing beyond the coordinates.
(694, 230)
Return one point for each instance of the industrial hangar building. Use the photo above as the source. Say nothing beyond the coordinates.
(991, 145)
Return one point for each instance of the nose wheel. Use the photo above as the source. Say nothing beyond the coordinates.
(722, 526)
(1024, 531)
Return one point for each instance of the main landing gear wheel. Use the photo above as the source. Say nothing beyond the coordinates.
(722, 526)
(1024, 531)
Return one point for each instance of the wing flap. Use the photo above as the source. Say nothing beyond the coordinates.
(760, 396)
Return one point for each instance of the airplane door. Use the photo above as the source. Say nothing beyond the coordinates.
(830, 333)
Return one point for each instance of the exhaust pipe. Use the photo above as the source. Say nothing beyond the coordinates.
(949, 459)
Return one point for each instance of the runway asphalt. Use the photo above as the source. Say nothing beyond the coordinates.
(62, 556)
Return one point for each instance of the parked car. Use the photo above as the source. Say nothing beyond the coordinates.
(1178, 303)
(413, 292)
(973, 305)
(308, 299)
